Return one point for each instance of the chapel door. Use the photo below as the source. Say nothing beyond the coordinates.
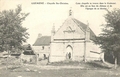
(68, 52)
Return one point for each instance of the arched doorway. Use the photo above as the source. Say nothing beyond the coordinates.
(69, 50)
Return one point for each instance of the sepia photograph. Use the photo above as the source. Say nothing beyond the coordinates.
(59, 38)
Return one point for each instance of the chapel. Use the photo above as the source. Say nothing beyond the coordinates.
(73, 41)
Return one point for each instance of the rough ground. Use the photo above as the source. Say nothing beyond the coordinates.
(60, 69)
(32, 71)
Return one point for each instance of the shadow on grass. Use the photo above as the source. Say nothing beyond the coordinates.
(64, 63)
(91, 65)
(98, 65)
(14, 67)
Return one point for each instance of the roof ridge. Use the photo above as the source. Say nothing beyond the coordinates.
(60, 26)
(83, 27)
(45, 36)
(78, 24)
(44, 40)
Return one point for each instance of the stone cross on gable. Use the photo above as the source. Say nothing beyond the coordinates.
(70, 12)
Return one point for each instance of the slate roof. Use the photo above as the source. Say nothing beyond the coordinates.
(43, 41)
(84, 27)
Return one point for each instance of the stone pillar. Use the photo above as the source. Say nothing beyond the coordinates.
(87, 40)
(52, 33)
(51, 44)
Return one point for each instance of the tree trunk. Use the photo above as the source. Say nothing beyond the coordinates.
(36, 59)
(115, 57)
(7, 60)
(7, 63)
(115, 62)
(21, 58)
(102, 57)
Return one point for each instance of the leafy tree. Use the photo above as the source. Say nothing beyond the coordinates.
(12, 33)
(109, 39)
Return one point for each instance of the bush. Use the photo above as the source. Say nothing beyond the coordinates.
(31, 60)
(24, 61)
(39, 59)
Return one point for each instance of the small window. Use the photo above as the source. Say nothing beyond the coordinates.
(42, 47)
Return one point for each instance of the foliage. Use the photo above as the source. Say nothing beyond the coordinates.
(12, 33)
(109, 40)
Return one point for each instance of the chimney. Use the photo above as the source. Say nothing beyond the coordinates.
(39, 35)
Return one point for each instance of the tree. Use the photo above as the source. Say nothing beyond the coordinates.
(109, 39)
(12, 33)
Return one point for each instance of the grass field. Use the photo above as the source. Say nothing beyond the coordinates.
(71, 69)
(38, 72)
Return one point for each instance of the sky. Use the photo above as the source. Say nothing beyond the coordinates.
(42, 17)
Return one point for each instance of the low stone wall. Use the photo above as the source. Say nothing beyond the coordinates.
(29, 58)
